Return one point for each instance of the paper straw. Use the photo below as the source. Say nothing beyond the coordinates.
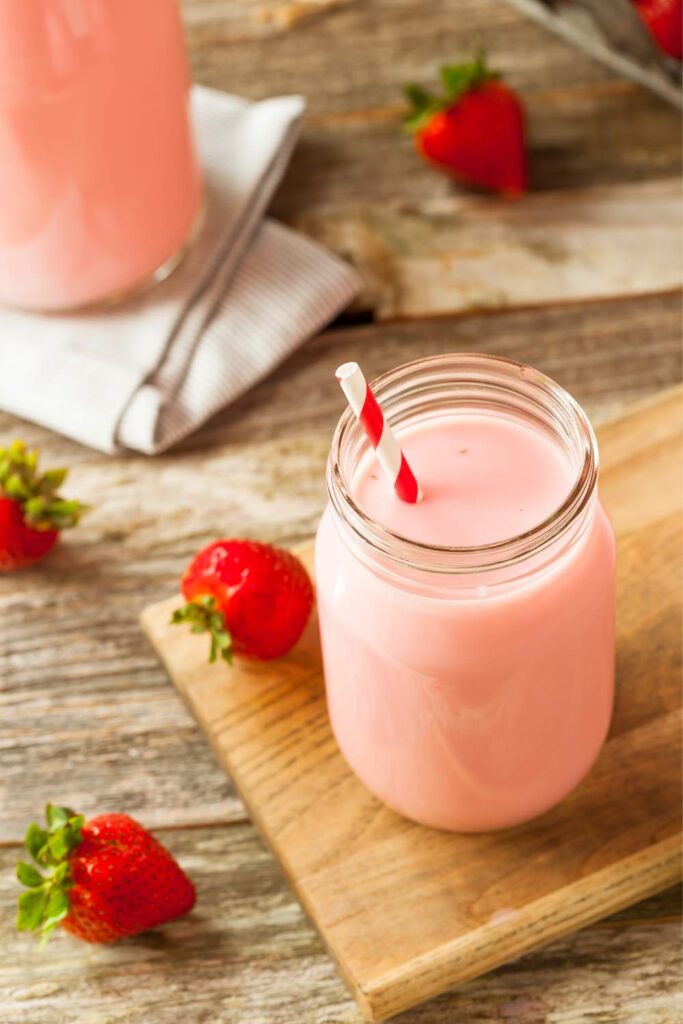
(379, 433)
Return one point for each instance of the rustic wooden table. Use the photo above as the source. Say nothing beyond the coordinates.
(581, 279)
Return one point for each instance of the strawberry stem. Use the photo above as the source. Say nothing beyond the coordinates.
(204, 616)
(457, 79)
(46, 901)
(37, 493)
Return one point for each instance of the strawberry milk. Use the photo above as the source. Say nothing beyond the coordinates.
(468, 640)
(99, 183)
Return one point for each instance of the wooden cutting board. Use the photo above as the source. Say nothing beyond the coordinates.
(408, 911)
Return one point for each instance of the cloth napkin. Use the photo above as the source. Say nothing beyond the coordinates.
(146, 373)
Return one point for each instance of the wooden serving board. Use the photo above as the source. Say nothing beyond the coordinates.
(408, 911)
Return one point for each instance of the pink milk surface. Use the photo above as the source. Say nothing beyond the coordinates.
(470, 705)
(99, 183)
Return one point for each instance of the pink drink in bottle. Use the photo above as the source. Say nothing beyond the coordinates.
(99, 183)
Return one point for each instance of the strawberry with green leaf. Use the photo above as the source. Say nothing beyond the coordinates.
(252, 599)
(476, 131)
(32, 512)
(102, 880)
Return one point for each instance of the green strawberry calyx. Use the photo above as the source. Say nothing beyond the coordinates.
(43, 508)
(457, 79)
(204, 616)
(45, 902)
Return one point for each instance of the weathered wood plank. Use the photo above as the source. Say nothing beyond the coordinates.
(607, 354)
(461, 253)
(247, 955)
(579, 135)
(88, 716)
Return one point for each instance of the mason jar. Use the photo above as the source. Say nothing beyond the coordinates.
(99, 179)
(469, 687)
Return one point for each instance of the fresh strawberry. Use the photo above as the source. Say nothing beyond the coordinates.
(476, 132)
(252, 598)
(32, 513)
(102, 880)
(664, 19)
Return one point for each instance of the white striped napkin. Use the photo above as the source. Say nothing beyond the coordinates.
(145, 373)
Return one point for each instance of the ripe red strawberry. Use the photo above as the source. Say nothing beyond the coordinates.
(252, 598)
(664, 19)
(102, 880)
(476, 133)
(31, 511)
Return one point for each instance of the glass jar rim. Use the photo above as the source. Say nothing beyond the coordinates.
(463, 369)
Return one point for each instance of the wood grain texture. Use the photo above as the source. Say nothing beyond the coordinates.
(87, 715)
(407, 911)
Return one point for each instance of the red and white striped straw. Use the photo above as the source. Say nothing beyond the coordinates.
(379, 433)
